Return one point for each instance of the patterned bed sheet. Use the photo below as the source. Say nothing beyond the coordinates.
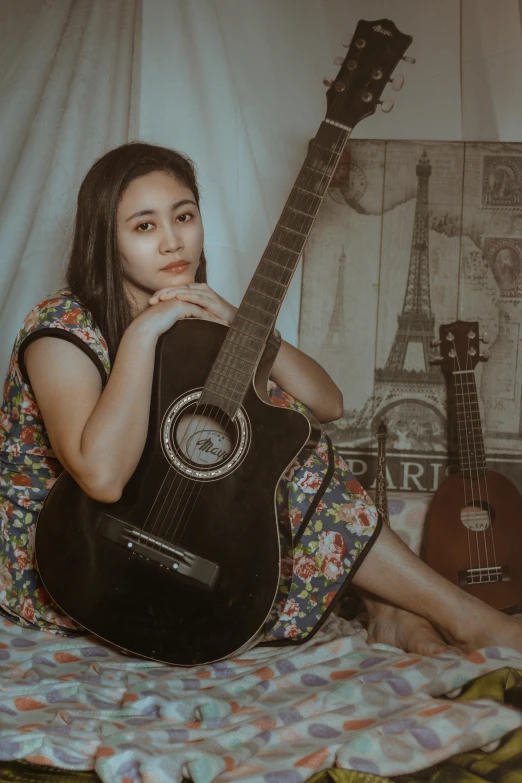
(272, 715)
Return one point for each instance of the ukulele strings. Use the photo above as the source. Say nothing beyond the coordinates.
(458, 374)
(477, 511)
(482, 483)
(188, 484)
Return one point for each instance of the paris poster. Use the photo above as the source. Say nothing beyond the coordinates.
(412, 236)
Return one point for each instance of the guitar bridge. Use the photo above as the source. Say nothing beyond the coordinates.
(171, 556)
(480, 576)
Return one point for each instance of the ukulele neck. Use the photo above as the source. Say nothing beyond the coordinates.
(469, 425)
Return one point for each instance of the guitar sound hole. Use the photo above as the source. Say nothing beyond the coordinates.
(477, 516)
(201, 441)
(204, 439)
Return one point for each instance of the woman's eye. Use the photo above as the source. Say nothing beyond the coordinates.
(186, 216)
(142, 228)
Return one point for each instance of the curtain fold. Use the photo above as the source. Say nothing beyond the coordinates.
(65, 98)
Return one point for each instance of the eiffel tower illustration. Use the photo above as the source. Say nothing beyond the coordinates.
(408, 378)
(332, 355)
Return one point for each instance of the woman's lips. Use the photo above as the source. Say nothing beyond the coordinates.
(176, 266)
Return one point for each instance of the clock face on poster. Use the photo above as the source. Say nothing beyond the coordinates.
(349, 184)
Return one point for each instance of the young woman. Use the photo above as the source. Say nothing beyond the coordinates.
(81, 403)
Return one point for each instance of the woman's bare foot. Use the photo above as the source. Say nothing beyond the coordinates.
(392, 572)
(388, 624)
(474, 624)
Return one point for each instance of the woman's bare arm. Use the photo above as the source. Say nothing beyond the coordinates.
(98, 436)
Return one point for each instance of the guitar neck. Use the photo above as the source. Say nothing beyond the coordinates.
(246, 339)
(469, 425)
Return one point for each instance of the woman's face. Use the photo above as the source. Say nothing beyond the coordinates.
(160, 235)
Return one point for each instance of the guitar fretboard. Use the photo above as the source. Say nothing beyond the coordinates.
(245, 342)
(469, 425)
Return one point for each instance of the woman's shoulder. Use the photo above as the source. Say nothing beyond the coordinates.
(60, 309)
(61, 314)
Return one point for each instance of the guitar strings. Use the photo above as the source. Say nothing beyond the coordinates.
(324, 176)
(297, 201)
(188, 483)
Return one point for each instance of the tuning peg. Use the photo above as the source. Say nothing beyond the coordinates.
(436, 360)
(409, 60)
(327, 82)
(397, 82)
(484, 356)
(386, 105)
(435, 343)
(347, 44)
(338, 60)
(485, 338)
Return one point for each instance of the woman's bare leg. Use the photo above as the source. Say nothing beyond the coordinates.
(393, 573)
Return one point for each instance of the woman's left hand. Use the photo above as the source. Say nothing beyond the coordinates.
(200, 294)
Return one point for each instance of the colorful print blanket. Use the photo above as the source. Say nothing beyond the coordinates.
(273, 715)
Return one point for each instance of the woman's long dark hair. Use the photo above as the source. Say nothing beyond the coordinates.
(94, 273)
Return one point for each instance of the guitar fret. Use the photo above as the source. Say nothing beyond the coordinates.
(309, 194)
(216, 391)
(228, 383)
(263, 282)
(293, 230)
(233, 354)
(237, 364)
(268, 316)
(288, 249)
(298, 218)
(326, 149)
(280, 271)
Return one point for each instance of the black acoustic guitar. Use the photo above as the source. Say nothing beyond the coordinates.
(184, 568)
(474, 523)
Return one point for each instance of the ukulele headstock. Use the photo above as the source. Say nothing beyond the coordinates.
(459, 346)
(373, 54)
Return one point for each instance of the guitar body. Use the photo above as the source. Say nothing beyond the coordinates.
(142, 605)
(494, 504)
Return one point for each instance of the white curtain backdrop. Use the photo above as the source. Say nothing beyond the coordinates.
(236, 84)
(66, 74)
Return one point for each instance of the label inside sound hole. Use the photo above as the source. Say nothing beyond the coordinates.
(476, 517)
(202, 440)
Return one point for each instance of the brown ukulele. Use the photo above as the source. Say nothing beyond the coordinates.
(474, 524)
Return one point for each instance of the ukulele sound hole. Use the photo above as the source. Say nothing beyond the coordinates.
(477, 516)
(202, 442)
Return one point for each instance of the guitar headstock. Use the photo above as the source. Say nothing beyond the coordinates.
(374, 52)
(459, 346)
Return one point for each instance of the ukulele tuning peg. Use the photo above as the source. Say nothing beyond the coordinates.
(338, 60)
(485, 338)
(484, 356)
(348, 42)
(397, 82)
(327, 82)
(435, 343)
(409, 60)
(386, 105)
(435, 359)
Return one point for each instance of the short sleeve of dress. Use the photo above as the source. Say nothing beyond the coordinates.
(62, 316)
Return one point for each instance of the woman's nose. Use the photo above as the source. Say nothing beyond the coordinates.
(171, 240)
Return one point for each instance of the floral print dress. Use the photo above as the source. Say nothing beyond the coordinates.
(326, 519)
